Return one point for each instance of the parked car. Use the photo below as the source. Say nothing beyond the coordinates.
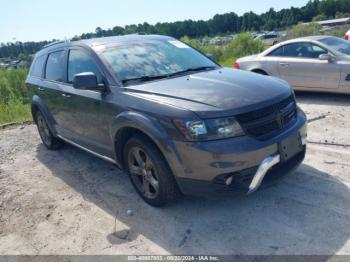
(270, 38)
(173, 119)
(315, 63)
(347, 36)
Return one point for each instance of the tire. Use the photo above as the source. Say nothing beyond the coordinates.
(149, 172)
(49, 140)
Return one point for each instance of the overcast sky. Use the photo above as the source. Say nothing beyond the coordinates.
(36, 20)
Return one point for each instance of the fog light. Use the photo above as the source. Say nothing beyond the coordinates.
(228, 181)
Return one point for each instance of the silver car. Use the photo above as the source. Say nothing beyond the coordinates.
(269, 39)
(315, 63)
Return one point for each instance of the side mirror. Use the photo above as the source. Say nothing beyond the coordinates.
(210, 56)
(87, 81)
(326, 57)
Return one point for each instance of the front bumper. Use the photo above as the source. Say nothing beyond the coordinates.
(242, 181)
(205, 166)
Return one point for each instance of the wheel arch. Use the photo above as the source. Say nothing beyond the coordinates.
(259, 71)
(128, 124)
(38, 104)
(121, 138)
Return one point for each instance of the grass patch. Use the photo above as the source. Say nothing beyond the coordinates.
(14, 101)
(228, 62)
(14, 112)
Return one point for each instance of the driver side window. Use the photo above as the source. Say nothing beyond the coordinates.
(303, 50)
(79, 62)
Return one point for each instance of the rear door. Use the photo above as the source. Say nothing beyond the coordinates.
(301, 67)
(35, 80)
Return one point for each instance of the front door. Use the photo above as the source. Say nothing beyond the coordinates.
(84, 109)
(301, 67)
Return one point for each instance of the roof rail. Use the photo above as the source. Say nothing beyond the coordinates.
(56, 43)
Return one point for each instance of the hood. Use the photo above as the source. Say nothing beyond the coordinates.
(216, 93)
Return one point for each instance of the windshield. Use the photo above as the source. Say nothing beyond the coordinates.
(146, 61)
(337, 44)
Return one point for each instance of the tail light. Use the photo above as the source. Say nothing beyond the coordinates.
(236, 65)
(346, 37)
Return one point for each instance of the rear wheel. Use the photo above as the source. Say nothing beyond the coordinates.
(45, 133)
(149, 172)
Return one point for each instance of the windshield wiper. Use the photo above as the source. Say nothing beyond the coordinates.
(151, 78)
(193, 69)
(144, 78)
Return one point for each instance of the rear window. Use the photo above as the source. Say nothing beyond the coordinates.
(37, 67)
(338, 44)
(55, 66)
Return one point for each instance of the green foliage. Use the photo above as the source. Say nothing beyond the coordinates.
(14, 102)
(227, 62)
(301, 30)
(338, 31)
(342, 15)
(320, 17)
(244, 44)
(14, 112)
(216, 51)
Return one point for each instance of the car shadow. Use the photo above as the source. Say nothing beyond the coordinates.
(305, 213)
(319, 98)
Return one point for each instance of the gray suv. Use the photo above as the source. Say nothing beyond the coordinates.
(172, 118)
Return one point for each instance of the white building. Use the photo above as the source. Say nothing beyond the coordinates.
(334, 22)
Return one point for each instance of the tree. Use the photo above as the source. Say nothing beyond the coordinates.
(99, 32)
(328, 7)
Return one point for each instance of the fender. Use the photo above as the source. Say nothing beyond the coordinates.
(40, 104)
(150, 127)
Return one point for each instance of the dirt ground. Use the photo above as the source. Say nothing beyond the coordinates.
(70, 202)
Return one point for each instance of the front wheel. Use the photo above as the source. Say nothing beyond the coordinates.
(149, 172)
(49, 140)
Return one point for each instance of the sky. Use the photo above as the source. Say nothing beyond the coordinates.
(36, 20)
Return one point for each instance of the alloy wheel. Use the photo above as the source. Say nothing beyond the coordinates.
(43, 129)
(143, 172)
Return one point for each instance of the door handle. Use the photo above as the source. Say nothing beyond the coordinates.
(65, 95)
(41, 89)
(284, 64)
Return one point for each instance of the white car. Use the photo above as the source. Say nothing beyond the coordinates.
(270, 39)
(314, 63)
(347, 35)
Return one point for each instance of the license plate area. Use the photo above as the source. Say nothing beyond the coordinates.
(290, 147)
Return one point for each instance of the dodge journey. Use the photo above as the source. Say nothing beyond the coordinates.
(167, 114)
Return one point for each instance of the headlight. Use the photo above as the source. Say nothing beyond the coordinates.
(211, 129)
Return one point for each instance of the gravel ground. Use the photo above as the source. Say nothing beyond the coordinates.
(70, 202)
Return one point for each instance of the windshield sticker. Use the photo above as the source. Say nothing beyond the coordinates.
(178, 44)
